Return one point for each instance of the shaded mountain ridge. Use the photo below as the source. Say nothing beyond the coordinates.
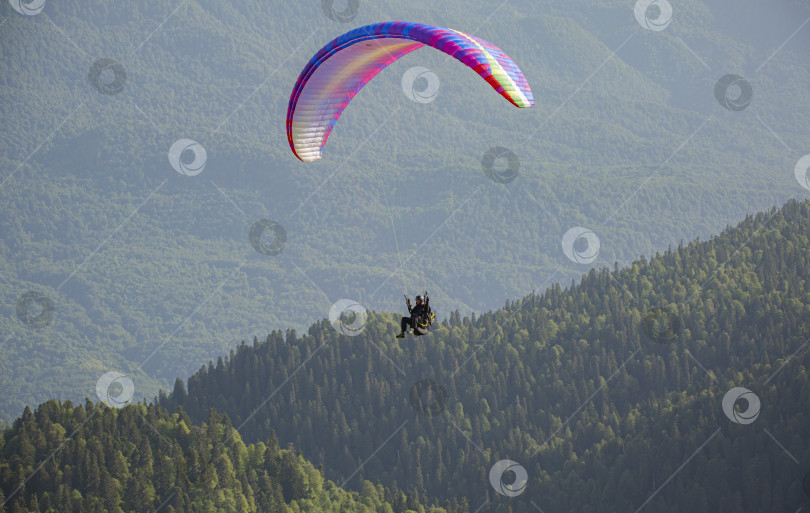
(567, 382)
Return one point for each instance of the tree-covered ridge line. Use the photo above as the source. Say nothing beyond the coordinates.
(91, 458)
(567, 382)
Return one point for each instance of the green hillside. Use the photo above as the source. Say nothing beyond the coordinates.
(90, 458)
(602, 391)
(150, 272)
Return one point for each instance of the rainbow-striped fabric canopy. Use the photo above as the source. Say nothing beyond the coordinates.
(341, 68)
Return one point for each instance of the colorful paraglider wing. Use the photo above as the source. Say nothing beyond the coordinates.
(341, 68)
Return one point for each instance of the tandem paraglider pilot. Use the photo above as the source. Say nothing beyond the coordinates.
(420, 318)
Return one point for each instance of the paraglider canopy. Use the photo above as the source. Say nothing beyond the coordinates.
(340, 69)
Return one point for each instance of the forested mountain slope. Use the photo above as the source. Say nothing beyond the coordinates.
(91, 458)
(609, 393)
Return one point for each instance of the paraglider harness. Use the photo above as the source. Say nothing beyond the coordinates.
(425, 319)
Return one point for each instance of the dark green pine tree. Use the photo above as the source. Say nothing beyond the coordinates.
(179, 392)
(400, 504)
(413, 500)
(293, 481)
(269, 497)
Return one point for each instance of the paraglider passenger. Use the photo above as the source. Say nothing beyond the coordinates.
(416, 313)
